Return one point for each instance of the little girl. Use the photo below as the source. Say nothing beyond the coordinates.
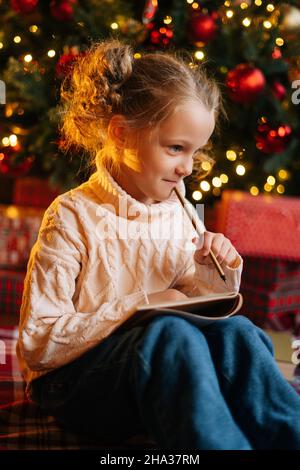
(106, 247)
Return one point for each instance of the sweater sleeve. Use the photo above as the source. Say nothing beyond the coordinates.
(51, 332)
(199, 279)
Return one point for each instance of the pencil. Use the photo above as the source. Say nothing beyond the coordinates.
(195, 225)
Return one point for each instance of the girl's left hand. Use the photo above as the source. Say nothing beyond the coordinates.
(221, 246)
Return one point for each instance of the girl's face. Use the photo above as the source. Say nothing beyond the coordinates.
(166, 154)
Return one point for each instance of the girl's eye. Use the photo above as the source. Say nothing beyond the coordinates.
(177, 148)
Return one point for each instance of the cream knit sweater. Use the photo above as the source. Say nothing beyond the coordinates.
(98, 254)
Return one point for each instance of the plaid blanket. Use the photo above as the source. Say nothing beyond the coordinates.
(23, 426)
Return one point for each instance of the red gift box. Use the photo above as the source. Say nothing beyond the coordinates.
(265, 230)
(19, 228)
(11, 291)
(33, 192)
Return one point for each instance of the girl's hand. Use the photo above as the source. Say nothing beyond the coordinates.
(221, 246)
(169, 295)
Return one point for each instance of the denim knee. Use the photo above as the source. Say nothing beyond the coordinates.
(167, 336)
(241, 326)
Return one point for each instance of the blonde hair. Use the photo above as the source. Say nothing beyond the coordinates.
(108, 80)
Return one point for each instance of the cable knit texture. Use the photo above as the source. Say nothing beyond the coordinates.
(98, 255)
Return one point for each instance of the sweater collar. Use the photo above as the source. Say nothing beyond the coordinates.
(109, 192)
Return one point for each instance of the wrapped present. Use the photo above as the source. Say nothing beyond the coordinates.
(33, 192)
(265, 230)
(19, 228)
(11, 291)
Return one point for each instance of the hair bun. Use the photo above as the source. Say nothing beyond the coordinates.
(117, 62)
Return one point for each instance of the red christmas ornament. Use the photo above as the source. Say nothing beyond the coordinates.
(279, 91)
(66, 63)
(245, 83)
(24, 6)
(202, 27)
(274, 140)
(62, 10)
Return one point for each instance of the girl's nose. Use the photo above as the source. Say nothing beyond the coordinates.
(185, 169)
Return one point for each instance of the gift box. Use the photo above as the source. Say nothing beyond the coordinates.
(19, 228)
(11, 291)
(265, 230)
(33, 192)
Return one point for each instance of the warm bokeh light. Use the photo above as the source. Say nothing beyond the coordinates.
(224, 178)
(199, 55)
(216, 182)
(240, 170)
(205, 186)
(197, 195)
(254, 190)
(271, 180)
(206, 166)
(231, 155)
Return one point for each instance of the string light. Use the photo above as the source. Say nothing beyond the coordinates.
(240, 170)
(271, 180)
(258, 3)
(114, 26)
(5, 141)
(246, 22)
(280, 189)
(137, 55)
(283, 174)
(229, 13)
(17, 39)
(168, 19)
(270, 7)
(231, 155)
(268, 187)
(217, 183)
(13, 140)
(189, 1)
(195, 5)
(205, 186)
(1, 45)
(34, 28)
(254, 190)
(197, 195)
(224, 178)
(244, 5)
(28, 58)
(206, 166)
(279, 42)
(199, 55)
(267, 24)
(216, 192)
(227, 3)
(51, 53)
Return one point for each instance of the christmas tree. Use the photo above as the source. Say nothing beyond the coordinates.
(251, 47)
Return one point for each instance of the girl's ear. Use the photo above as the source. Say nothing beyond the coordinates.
(118, 130)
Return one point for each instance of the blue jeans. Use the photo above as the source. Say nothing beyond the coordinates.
(217, 387)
